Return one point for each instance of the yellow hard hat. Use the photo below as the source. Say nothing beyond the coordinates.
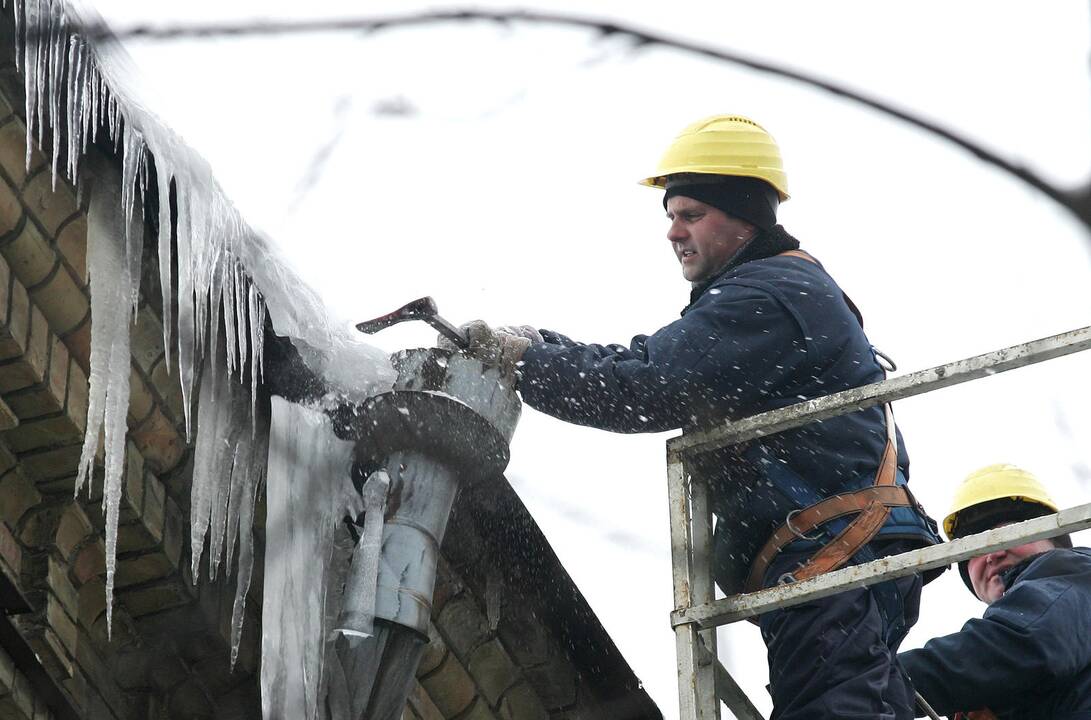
(724, 145)
(992, 496)
(995, 482)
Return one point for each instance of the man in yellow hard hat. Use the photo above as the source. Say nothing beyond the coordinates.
(766, 327)
(1029, 655)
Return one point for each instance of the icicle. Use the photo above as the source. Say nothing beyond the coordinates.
(86, 83)
(228, 307)
(306, 489)
(214, 296)
(101, 263)
(72, 112)
(229, 444)
(108, 403)
(185, 325)
(256, 340)
(41, 65)
(241, 292)
(117, 406)
(17, 7)
(259, 351)
(259, 456)
(211, 457)
(163, 181)
(113, 118)
(95, 118)
(90, 126)
(200, 265)
(58, 39)
(240, 479)
(30, 70)
(131, 168)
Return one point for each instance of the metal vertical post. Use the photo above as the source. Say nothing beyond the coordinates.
(702, 589)
(696, 681)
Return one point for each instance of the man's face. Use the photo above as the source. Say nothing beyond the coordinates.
(703, 237)
(984, 570)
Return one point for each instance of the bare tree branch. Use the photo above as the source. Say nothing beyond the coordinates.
(1077, 202)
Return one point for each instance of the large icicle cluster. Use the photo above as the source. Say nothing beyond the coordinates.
(229, 466)
(108, 400)
(299, 609)
(228, 277)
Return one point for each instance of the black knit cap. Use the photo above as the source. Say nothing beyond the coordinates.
(746, 198)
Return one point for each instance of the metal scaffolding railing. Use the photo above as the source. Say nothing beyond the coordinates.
(703, 682)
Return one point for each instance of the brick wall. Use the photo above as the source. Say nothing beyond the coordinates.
(51, 544)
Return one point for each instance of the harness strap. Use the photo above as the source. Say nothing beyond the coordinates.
(871, 505)
(848, 301)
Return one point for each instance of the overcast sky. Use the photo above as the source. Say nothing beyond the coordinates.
(495, 169)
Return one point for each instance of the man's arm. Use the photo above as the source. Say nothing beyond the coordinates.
(728, 353)
(1035, 636)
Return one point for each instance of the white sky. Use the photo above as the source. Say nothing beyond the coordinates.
(509, 193)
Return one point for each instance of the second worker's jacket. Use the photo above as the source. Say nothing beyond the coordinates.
(1028, 657)
(763, 335)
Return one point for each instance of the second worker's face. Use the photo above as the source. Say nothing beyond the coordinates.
(985, 570)
(703, 237)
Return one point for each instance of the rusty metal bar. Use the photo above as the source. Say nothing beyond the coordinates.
(728, 691)
(686, 638)
(739, 607)
(774, 421)
(702, 587)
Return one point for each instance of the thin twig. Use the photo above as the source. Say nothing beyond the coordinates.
(641, 37)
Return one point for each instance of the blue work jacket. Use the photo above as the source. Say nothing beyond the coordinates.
(1028, 657)
(763, 335)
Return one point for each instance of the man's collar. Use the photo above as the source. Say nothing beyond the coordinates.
(1009, 576)
(764, 244)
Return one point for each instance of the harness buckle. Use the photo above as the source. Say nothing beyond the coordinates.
(885, 361)
(786, 579)
(797, 533)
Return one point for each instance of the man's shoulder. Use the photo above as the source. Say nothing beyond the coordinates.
(1075, 557)
(1046, 591)
(1059, 562)
(785, 278)
(778, 269)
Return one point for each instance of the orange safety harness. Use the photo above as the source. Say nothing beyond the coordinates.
(870, 505)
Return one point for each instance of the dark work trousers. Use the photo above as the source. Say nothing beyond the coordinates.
(837, 657)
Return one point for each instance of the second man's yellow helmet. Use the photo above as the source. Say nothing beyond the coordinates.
(992, 483)
(724, 145)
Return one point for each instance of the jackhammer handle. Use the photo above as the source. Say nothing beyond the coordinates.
(448, 330)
